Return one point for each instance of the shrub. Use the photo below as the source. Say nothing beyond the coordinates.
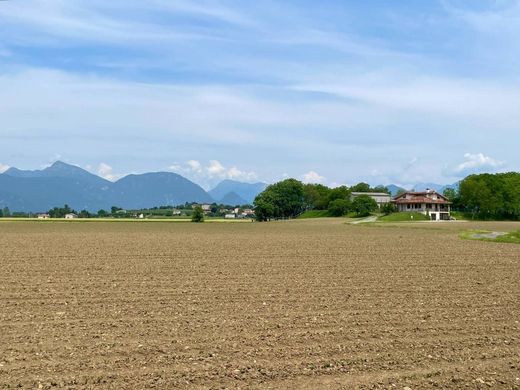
(363, 205)
(198, 215)
(339, 207)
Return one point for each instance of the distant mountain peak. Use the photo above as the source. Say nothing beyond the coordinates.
(233, 199)
(246, 191)
(59, 163)
(12, 171)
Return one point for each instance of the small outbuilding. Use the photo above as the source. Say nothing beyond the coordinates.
(71, 216)
(381, 198)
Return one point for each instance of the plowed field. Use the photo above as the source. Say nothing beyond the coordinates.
(300, 304)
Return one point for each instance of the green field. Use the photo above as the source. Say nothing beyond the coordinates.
(403, 217)
(314, 214)
(480, 235)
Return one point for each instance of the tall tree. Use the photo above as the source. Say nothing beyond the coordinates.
(491, 196)
(198, 214)
(361, 187)
(285, 199)
(363, 205)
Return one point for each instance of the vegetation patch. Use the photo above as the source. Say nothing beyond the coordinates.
(403, 217)
(486, 235)
(315, 214)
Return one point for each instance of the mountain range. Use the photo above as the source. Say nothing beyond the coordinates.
(61, 183)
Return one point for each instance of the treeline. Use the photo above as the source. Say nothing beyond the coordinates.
(187, 209)
(489, 196)
(290, 198)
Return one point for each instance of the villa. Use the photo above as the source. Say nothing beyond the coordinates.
(428, 202)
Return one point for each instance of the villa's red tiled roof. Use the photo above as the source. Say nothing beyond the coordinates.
(420, 199)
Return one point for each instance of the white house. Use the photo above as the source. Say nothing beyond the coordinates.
(43, 216)
(426, 202)
(230, 216)
(248, 212)
(71, 216)
(381, 198)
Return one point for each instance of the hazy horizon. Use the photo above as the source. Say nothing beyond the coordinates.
(386, 93)
(215, 183)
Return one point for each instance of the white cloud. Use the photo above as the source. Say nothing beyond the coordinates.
(215, 168)
(313, 177)
(195, 166)
(214, 171)
(4, 167)
(477, 162)
(236, 174)
(106, 172)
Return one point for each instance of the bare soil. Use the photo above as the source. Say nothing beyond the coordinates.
(293, 304)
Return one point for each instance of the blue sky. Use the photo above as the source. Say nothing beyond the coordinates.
(334, 92)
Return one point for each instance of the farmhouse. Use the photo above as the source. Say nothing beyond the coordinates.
(427, 202)
(381, 198)
(71, 216)
(43, 216)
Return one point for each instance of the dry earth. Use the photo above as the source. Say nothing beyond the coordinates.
(300, 304)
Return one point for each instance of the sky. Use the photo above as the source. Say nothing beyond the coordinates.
(333, 92)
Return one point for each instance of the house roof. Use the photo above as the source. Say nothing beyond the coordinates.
(370, 193)
(421, 197)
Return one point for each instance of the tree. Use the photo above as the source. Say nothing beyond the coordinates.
(363, 205)
(450, 193)
(198, 214)
(361, 187)
(5, 212)
(265, 206)
(102, 213)
(60, 212)
(84, 214)
(491, 196)
(388, 208)
(316, 196)
(381, 189)
(285, 199)
(341, 192)
(339, 207)
(115, 209)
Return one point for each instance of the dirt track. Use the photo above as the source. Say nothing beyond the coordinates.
(301, 304)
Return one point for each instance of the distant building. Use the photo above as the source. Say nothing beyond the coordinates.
(381, 198)
(205, 207)
(248, 212)
(43, 216)
(140, 216)
(428, 202)
(230, 216)
(176, 212)
(71, 216)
